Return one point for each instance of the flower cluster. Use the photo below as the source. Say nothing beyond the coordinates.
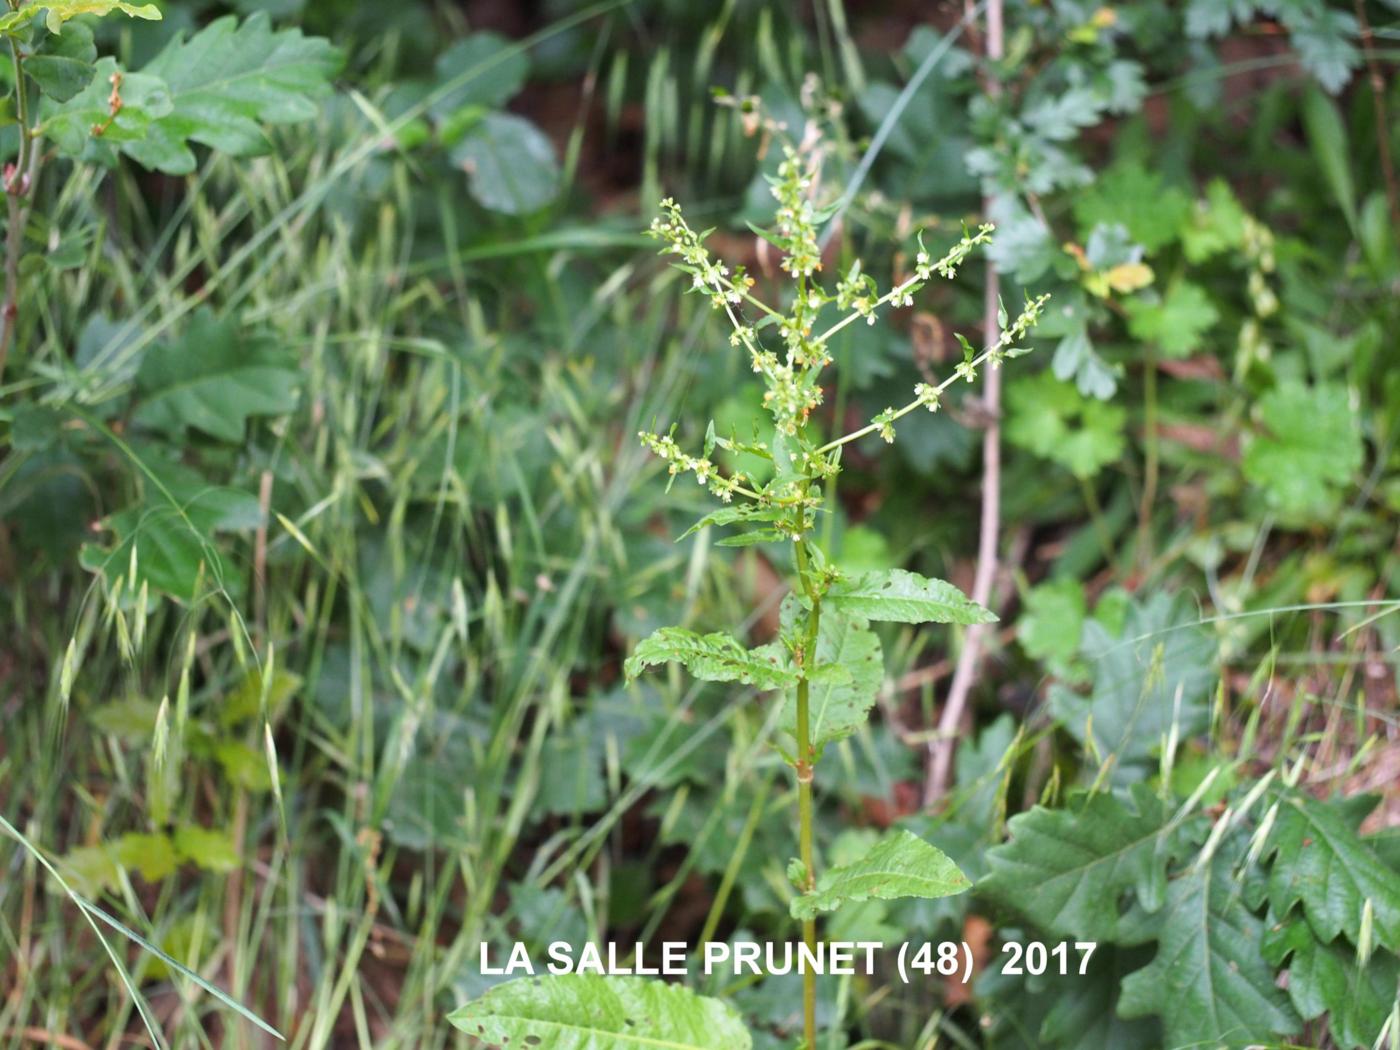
(678, 461)
(796, 232)
(790, 375)
(706, 274)
(925, 267)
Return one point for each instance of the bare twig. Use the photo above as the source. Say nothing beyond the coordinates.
(943, 744)
(1392, 189)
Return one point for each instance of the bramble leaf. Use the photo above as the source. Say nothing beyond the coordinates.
(1067, 870)
(215, 378)
(587, 1012)
(899, 865)
(713, 658)
(900, 596)
(226, 82)
(1208, 981)
(839, 706)
(1321, 862)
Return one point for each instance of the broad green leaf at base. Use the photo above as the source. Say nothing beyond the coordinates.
(1067, 869)
(587, 1012)
(1209, 981)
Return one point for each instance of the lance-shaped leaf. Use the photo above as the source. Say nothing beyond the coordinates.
(56, 12)
(1322, 862)
(713, 657)
(742, 513)
(904, 597)
(899, 865)
(840, 698)
(226, 83)
(586, 1012)
(214, 378)
(1329, 979)
(1067, 870)
(1209, 981)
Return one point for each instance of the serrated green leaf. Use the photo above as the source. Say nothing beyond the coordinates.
(1117, 198)
(1082, 1015)
(227, 82)
(56, 12)
(1216, 225)
(742, 513)
(510, 164)
(1176, 322)
(1329, 979)
(900, 596)
(174, 544)
(713, 658)
(899, 865)
(1309, 451)
(214, 378)
(1321, 862)
(586, 1012)
(243, 765)
(1155, 673)
(752, 539)
(1209, 982)
(85, 122)
(1053, 419)
(1052, 620)
(91, 869)
(1067, 870)
(208, 848)
(839, 705)
(63, 65)
(152, 855)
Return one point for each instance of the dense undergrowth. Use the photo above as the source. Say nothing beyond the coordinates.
(325, 534)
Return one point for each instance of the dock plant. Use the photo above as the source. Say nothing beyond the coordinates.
(826, 665)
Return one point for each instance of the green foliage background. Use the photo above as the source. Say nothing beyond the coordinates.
(324, 535)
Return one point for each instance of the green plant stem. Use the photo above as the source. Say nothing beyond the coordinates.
(16, 212)
(1150, 468)
(804, 786)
